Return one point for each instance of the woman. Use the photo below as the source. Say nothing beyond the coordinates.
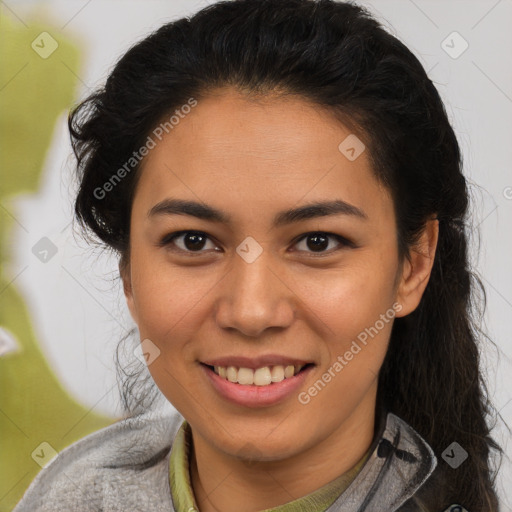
(284, 190)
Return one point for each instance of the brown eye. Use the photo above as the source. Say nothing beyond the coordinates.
(186, 241)
(318, 242)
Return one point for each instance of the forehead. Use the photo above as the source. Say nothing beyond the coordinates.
(253, 153)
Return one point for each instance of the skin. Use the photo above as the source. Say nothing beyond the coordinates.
(253, 159)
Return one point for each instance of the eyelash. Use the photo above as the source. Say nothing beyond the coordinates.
(169, 239)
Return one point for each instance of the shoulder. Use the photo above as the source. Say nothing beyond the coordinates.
(112, 469)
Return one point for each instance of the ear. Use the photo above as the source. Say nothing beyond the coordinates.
(417, 269)
(126, 278)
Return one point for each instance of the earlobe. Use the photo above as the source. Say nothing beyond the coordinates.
(125, 273)
(417, 269)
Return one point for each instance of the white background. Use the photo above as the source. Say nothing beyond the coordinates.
(75, 300)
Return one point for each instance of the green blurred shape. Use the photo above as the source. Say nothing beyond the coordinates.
(35, 88)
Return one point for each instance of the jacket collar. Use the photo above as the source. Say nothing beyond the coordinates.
(400, 463)
(126, 465)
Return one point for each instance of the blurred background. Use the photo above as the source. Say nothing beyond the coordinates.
(62, 311)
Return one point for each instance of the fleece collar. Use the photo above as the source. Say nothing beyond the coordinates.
(126, 467)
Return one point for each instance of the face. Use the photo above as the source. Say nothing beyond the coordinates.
(251, 282)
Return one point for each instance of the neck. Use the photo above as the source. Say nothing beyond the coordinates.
(222, 482)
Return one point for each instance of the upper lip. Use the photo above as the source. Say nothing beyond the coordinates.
(255, 362)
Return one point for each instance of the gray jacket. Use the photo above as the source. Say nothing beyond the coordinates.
(125, 467)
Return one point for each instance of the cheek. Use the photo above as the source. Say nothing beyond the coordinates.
(348, 300)
(358, 312)
(165, 296)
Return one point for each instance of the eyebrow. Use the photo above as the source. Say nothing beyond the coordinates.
(305, 212)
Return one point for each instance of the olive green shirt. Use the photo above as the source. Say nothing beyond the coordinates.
(183, 496)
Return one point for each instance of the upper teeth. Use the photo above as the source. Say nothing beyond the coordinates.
(260, 377)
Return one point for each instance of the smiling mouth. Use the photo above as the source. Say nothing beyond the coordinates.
(265, 376)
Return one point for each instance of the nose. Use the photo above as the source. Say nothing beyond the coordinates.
(254, 297)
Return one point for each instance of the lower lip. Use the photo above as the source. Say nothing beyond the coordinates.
(256, 396)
